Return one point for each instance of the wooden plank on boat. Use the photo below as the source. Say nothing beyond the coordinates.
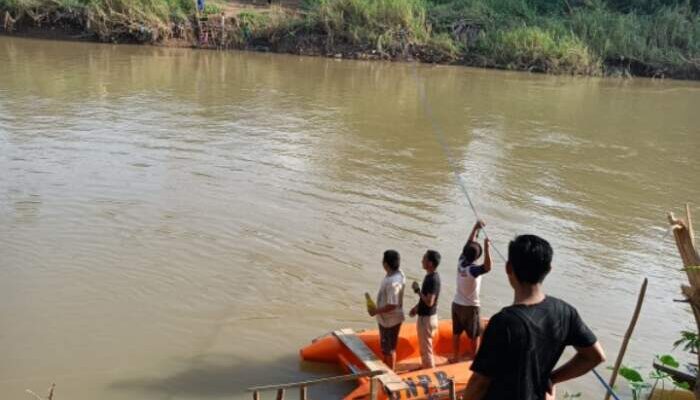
(390, 380)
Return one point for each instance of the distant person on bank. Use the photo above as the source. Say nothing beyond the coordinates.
(426, 309)
(523, 342)
(466, 303)
(389, 310)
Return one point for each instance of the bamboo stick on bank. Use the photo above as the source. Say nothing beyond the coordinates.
(628, 335)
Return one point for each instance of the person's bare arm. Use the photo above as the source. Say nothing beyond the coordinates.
(487, 255)
(428, 299)
(586, 359)
(476, 387)
(477, 227)
(385, 309)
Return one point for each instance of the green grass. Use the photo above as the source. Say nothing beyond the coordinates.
(536, 49)
(109, 20)
(666, 42)
(384, 25)
(649, 37)
(269, 27)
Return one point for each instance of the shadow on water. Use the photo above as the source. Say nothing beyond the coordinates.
(227, 376)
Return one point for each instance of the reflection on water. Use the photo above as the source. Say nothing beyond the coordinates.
(177, 223)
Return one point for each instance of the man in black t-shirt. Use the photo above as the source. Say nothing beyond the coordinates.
(523, 342)
(427, 321)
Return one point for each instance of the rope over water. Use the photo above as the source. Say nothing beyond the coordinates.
(437, 130)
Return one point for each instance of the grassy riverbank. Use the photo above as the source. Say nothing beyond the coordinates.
(145, 21)
(589, 37)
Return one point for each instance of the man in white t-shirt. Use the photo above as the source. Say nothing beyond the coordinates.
(389, 311)
(465, 306)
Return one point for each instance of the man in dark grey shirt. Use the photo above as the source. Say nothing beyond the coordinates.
(426, 309)
(523, 342)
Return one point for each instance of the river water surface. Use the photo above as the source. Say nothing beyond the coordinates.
(176, 224)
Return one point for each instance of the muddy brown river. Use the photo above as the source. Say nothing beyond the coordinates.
(176, 224)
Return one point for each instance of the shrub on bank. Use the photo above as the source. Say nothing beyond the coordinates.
(646, 37)
(109, 20)
(250, 27)
(666, 43)
(536, 49)
(383, 25)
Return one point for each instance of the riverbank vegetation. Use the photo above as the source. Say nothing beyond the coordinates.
(590, 37)
(145, 21)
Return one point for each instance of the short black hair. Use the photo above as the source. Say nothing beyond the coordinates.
(471, 251)
(530, 256)
(392, 259)
(434, 257)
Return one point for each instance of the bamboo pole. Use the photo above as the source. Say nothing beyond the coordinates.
(628, 335)
(689, 221)
(685, 242)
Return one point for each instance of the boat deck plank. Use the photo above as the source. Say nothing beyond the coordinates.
(391, 381)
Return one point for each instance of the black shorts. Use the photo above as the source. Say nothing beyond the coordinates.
(465, 319)
(389, 338)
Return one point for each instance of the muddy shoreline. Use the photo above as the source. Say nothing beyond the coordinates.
(188, 36)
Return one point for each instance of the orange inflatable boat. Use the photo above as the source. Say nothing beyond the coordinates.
(360, 351)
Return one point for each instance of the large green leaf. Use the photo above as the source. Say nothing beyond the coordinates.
(630, 374)
(668, 361)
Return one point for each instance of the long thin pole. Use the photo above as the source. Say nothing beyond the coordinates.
(339, 378)
(628, 335)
